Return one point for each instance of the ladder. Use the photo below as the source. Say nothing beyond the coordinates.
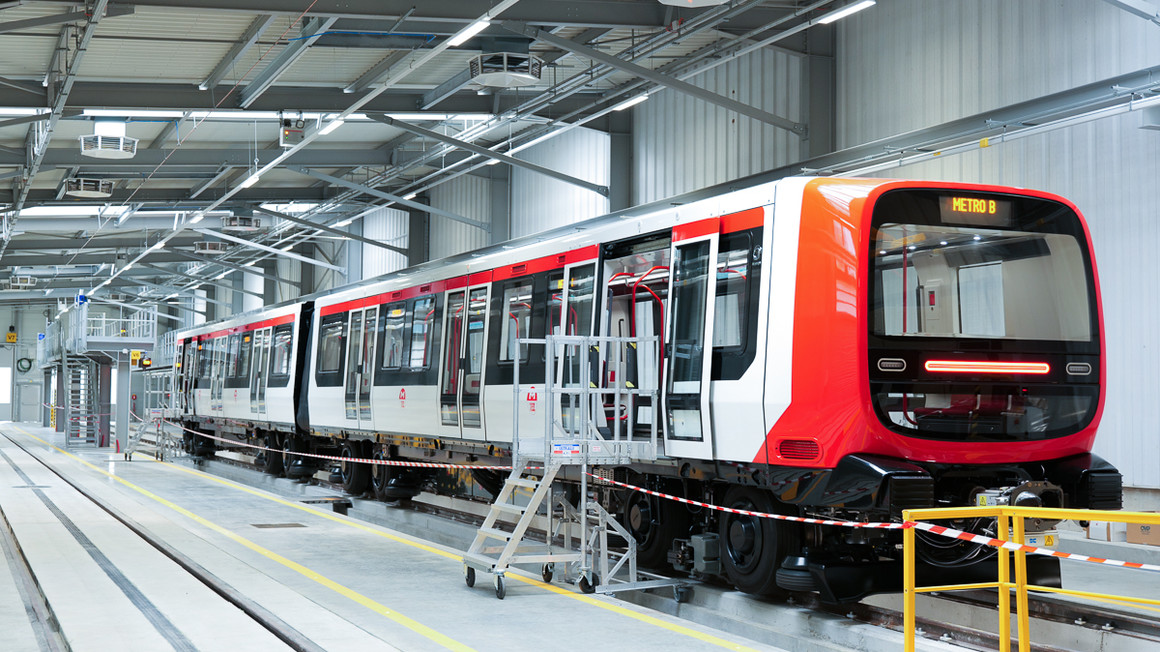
(574, 435)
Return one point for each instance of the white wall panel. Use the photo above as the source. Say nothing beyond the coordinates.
(290, 271)
(332, 252)
(910, 64)
(468, 196)
(387, 225)
(681, 143)
(540, 202)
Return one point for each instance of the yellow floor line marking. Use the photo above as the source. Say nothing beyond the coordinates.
(457, 557)
(381, 609)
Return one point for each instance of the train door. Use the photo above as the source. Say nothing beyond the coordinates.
(258, 375)
(218, 368)
(177, 404)
(689, 340)
(572, 313)
(360, 365)
(464, 344)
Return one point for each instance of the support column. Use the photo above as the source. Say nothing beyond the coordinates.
(61, 396)
(123, 388)
(46, 404)
(418, 235)
(252, 283)
(104, 401)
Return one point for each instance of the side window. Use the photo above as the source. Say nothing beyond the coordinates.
(281, 355)
(517, 304)
(735, 310)
(394, 335)
(331, 350)
(422, 322)
(581, 296)
(204, 359)
(732, 298)
(244, 356)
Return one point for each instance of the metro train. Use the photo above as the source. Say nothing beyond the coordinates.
(843, 348)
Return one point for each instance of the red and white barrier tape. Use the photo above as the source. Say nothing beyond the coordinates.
(938, 530)
(927, 527)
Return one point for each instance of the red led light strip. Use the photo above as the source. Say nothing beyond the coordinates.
(983, 367)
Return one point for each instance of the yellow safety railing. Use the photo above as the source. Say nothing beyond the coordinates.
(1009, 521)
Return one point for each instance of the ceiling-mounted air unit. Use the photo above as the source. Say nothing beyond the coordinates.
(505, 69)
(20, 282)
(108, 140)
(241, 223)
(211, 247)
(88, 188)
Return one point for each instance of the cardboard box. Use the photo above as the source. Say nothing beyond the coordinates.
(1107, 531)
(1146, 534)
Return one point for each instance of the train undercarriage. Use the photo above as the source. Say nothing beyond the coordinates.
(761, 556)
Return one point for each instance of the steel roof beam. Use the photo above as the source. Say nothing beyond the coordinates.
(277, 252)
(212, 159)
(376, 71)
(374, 192)
(329, 229)
(1139, 8)
(247, 40)
(234, 266)
(656, 77)
(313, 29)
(178, 198)
(198, 280)
(57, 19)
(487, 153)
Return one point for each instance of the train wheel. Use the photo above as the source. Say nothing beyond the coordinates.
(753, 548)
(272, 458)
(654, 523)
(380, 475)
(296, 466)
(355, 475)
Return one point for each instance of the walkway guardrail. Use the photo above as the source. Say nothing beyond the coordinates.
(1011, 532)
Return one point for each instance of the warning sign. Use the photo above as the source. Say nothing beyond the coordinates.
(134, 356)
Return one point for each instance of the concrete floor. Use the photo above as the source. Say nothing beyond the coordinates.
(342, 583)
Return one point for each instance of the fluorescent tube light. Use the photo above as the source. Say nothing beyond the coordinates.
(197, 217)
(411, 195)
(471, 30)
(630, 102)
(288, 247)
(251, 180)
(330, 127)
(344, 223)
(846, 11)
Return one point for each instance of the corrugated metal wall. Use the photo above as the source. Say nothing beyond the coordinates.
(290, 271)
(681, 143)
(468, 196)
(387, 225)
(540, 202)
(909, 64)
(332, 252)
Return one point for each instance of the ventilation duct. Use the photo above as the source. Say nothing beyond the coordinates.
(88, 188)
(108, 141)
(505, 69)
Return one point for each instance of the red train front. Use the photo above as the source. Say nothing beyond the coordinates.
(946, 351)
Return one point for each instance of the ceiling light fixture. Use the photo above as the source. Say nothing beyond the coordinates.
(344, 223)
(630, 102)
(846, 11)
(251, 180)
(471, 30)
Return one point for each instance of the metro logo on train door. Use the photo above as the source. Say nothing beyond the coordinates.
(402, 397)
(533, 396)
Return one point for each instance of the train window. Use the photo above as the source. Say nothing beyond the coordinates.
(517, 304)
(421, 331)
(244, 355)
(281, 355)
(394, 335)
(581, 296)
(332, 344)
(732, 299)
(204, 358)
(476, 314)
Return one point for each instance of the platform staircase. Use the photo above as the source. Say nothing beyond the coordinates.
(83, 421)
(584, 384)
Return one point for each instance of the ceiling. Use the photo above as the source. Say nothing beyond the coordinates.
(204, 87)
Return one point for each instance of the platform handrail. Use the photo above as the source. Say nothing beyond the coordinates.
(1010, 526)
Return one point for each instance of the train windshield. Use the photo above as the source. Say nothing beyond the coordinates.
(965, 289)
(961, 281)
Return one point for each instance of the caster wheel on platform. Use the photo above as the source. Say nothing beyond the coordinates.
(500, 587)
(547, 571)
(469, 576)
(586, 586)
